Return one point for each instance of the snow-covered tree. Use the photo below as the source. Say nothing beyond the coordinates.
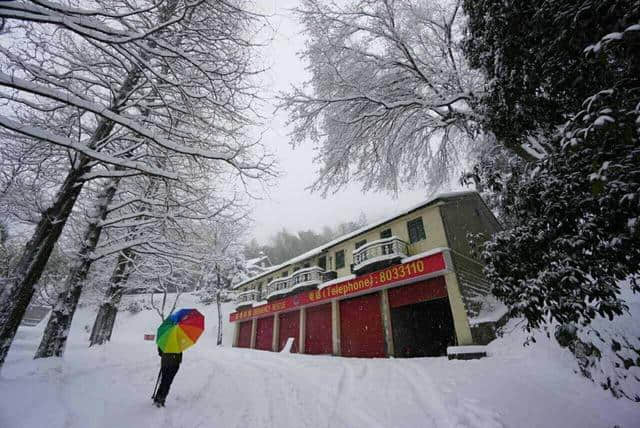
(532, 56)
(127, 88)
(576, 208)
(390, 97)
(569, 81)
(108, 310)
(222, 265)
(143, 216)
(158, 222)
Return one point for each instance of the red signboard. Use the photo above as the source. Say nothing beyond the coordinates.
(400, 274)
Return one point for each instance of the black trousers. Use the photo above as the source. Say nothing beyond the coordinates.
(167, 373)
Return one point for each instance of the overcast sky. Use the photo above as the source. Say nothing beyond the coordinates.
(288, 203)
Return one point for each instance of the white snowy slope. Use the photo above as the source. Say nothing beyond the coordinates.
(110, 386)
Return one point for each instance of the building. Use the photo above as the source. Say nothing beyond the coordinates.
(257, 265)
(406, 286)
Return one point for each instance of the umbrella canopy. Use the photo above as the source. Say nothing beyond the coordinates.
(180, 330)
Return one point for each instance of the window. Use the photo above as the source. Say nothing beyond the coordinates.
(306, 265)
(340, 259)
(416, 230)
(385, 234)
(322, 262)
(360, 243)
(284, 273)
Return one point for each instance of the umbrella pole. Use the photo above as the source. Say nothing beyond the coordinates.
(155, 390)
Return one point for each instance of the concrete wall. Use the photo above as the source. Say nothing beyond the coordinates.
(460, 218)
(464, 215)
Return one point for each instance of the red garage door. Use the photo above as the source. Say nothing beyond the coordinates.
(361, 333)
(244, 336)
(289, 327)
(422, 291)
(318, 333)
(264, 334)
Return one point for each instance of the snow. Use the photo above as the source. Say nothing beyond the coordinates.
(425, 254)
(337, 281)
(515, 386)
(287, 345)
(376, 259)
(253, 262)
(43, 134)
(603, 120)
(492, 310)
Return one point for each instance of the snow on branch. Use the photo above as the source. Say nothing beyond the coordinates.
(391, 97)
(44, 135)
(21, 84)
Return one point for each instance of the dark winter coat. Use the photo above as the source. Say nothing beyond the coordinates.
(169, 358)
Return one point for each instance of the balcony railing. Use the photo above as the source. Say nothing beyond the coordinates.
(301, 278)
(277, 285)
(246, 298)
(379, 251)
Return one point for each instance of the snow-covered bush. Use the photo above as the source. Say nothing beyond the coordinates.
(134, 306)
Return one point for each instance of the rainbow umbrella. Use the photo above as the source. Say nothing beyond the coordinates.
(180, 330)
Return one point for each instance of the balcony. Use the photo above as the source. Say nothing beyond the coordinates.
(304, 278)
(378, 254)
(246, 298)
(277, 285)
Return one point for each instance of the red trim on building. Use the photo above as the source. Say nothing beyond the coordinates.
(422, 291)
(318, 338)
(244, 335)
(361, 331)
(264, 334)
(289, 327)
(431, 265)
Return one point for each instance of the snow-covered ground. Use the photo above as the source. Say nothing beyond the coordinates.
(110, 386)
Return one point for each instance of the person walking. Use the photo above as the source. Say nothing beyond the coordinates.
(179, 331)
(169, 365)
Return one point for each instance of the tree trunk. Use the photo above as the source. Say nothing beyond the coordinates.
(219, 341)
(106, 318)
(15, 298)
(55, 334)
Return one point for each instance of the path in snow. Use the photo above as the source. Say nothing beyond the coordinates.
(225, 387)
(236, 388)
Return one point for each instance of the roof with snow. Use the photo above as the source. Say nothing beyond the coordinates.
(254, 262)
(324, 247)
